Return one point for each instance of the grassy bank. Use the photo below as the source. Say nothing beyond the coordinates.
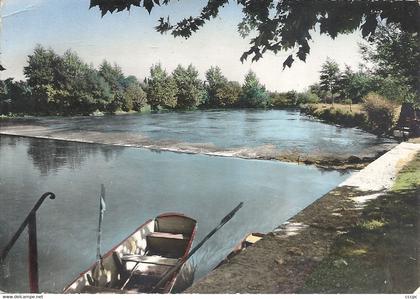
(355, 116)
(345, 115)
(380, 253)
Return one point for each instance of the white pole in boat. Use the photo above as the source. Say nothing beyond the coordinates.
(102, 208)
(96, 272)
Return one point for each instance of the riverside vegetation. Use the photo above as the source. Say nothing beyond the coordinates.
(371, 97)
(66, 85)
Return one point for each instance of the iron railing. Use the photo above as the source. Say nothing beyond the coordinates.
(29, 221)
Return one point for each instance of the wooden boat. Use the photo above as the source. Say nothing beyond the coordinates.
(138, 263)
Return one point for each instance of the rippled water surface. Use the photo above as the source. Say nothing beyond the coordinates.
(278, 130)
(141, 184)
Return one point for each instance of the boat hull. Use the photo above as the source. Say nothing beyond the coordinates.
(135, 264)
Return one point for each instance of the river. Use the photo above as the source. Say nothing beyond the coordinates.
(141, 184)
(244, 133)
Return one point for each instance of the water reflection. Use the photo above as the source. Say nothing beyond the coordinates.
(51, 155)
(140, 184)
(7, 141)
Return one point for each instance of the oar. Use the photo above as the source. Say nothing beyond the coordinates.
(131, 275)
(179, 264)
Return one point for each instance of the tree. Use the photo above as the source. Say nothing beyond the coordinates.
(130, 80)
(214, 81)
(355, 86)
(395, 57)
(126, 91)
(41, 67)
(279, 100)
(317, 89)
(114, 76)
(161, 90)
(77, 87)
(20, 94)
(392, 89)
(287, 24)
(253, 94)
(5, 101)
(228, 94)
(42, 75)
(94, 93)
(292, 97)
(62, 85)
(69, 83)
(134, 97)
(306, 98)
(344, 81)
(330, 77)
(190, 91)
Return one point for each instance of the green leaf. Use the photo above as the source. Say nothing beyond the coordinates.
(148, 4)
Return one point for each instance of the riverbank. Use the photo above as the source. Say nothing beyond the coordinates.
(380, 254)
(340, 114)
(295, 256)
(339, 163)
(354, 115)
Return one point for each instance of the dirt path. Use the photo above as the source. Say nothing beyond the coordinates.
(284, 260)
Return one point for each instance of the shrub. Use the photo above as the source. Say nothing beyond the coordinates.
(279, 100)
(336, 115)
(380, 112)
(307, 98)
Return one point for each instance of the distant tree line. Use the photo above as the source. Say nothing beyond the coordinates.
(66, 85)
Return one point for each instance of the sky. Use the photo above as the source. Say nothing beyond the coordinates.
(130, 40)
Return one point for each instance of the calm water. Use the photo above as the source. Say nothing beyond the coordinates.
(141, 184)
(280, 130)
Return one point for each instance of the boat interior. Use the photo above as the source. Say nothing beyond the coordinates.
(138, 263)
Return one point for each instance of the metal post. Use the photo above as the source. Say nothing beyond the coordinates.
(33, 254)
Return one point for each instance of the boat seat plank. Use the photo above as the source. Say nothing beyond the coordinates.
(167, 235)
(166, 244)
(150, 259)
